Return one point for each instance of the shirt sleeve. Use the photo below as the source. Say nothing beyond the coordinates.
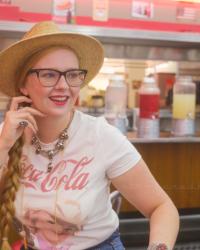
(118, 154)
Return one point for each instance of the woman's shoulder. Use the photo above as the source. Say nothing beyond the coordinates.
(91, 126)
(99, 127)
(90, 120)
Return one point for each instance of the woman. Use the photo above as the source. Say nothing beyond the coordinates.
(57, 163)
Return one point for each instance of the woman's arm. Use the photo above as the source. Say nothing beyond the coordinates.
(140, 188)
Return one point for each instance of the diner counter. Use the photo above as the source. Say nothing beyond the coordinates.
(165, 137)
(175, 163)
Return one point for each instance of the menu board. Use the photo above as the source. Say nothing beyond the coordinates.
(187, 13)
(100, 10)
(142, 9)
(5, 1)
(63, 11)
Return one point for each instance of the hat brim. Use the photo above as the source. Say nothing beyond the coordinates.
(88, 50)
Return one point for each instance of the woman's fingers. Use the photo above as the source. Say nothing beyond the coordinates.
(30, 125)
(17, 100)
(17, 113)
(28, 114)
(13, 123)
(25, 114)
(31, 110)
(15, 117)
(28, 117)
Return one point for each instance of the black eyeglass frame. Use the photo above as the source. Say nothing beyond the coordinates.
(61, 73)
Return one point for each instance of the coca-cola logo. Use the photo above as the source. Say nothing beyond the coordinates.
(68, 174)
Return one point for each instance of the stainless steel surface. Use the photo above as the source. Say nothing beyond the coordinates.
(13, 28)
(188, 139)
(163, 139)
(165, 129)
(126, 43)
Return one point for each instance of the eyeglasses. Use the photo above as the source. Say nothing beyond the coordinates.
(50, 77)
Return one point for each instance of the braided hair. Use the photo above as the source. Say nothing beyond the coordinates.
(11, 185)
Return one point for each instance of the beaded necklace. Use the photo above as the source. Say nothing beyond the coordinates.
(59, 146)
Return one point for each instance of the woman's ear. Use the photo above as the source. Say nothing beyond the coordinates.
(24, 91)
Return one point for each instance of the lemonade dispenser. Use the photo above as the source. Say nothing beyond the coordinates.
(184, 96)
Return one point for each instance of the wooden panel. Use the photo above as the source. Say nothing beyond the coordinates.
(176, 166)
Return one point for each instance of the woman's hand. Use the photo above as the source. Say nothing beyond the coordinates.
(12, 130)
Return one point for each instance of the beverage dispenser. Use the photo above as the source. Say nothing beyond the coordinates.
(149, 96)
(184, 99)
(116, 103)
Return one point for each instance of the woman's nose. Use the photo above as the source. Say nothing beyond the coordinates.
(62, 83)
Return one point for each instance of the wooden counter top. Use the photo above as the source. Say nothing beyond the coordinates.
(165, 137)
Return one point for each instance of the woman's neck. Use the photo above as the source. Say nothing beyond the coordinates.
(49, 128)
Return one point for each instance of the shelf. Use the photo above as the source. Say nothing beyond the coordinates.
(164, 138)
(128, 36)
(126, 43)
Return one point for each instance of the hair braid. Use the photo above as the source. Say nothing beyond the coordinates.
(11, 185)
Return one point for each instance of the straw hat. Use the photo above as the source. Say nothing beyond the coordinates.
(42, 35)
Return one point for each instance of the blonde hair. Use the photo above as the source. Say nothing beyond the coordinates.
(12, 175)
(11, 185)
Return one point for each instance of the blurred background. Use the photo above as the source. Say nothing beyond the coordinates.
(152, 48)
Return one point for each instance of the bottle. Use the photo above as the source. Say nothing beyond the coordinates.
(149, 95)
(183, 108)
(116, 103)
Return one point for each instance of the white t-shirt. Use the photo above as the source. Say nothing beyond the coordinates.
(70, 208)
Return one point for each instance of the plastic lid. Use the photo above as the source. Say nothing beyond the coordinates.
(184, 79)
(117, 81)
(149, 80)
(117, 78)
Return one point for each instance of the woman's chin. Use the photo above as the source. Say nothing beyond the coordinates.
(56, 112)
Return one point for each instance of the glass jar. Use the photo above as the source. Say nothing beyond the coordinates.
(149, 96)
(116, 96)
(116, 103)
(183, 108)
